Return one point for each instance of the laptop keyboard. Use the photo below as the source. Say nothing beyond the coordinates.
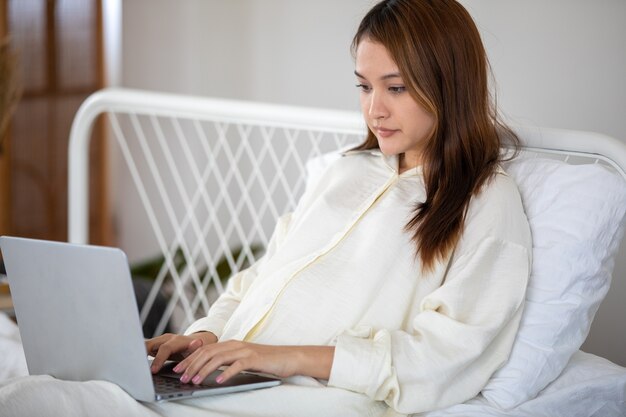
(167, 385)
(166, 380)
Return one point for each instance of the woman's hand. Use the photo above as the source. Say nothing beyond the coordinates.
(282, 361)
(176, 347)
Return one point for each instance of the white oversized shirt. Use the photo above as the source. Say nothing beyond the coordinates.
(341, 270)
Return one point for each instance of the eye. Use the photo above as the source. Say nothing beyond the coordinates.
(363, 87)
(397, 89)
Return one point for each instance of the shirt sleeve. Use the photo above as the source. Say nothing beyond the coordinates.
(462, 331)
(237, 286)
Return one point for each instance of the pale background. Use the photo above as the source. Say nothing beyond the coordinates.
(558, 63)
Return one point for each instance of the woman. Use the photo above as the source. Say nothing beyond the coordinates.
(421, 206)
(400, 276)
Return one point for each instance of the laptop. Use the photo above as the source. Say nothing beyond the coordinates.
(79, 321)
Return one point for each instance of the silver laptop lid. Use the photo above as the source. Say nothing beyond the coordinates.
(77, 314)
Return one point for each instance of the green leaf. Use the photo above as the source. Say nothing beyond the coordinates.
(150, 267)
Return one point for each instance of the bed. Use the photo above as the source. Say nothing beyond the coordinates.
(202, 181)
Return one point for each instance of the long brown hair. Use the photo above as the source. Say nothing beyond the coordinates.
(444, 66)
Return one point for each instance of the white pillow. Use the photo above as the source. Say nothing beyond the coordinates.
(576, 215)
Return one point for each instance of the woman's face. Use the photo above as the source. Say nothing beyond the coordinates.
(400, 124)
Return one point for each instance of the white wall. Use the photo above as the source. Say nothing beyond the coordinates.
(188, 46)
(558, 63)
(284, 51)
(301, 52)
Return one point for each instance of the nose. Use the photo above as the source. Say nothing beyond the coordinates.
(377, 108)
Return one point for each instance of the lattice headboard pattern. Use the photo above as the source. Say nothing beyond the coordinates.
(211, 186)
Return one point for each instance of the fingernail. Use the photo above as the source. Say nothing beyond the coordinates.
(184, 379)
(177, 369)
(196, 379)
(153, 369)
(219, 379)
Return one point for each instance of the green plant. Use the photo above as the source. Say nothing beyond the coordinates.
(145, 272)
(150, 268)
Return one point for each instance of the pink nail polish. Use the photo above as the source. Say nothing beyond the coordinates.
(176, 369)
(196, 379)
(184, 379)
(219, 379)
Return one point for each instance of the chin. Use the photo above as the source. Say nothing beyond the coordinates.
(389, 152)
(388, 149)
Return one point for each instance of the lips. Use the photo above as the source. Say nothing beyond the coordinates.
(385, 133)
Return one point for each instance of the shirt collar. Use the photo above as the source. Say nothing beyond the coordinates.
(390, 160)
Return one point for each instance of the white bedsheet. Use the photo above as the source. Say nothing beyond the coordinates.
(12, 360)
(589, 386)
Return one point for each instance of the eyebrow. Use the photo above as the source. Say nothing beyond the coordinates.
(384, 77)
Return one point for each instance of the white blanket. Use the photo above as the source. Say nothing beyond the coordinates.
(589, 387)
(12, 360)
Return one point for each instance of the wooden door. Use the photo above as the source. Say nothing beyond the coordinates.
(5, 183)
(60, 48)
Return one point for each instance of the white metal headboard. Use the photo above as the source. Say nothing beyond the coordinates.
(234, 167)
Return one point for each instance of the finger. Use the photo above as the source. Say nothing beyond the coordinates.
(167, 349)
(152, 345)
(208, 362)
(187, 360)
(196, 354)
(237, 367)
(193, 346)
(194, 363)
(205, 371)
(161, 356)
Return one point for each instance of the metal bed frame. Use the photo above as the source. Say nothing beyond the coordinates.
(213, 175)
